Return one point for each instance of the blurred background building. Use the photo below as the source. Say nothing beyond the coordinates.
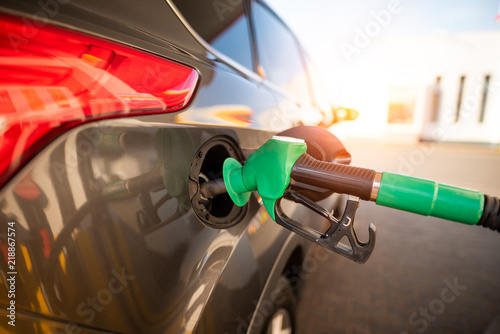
(443, 87)
(414, 71)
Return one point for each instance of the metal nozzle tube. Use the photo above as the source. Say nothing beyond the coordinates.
(376, 186)
(212, 188)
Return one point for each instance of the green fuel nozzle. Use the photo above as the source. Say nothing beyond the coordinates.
(270, 169)
(267, 170)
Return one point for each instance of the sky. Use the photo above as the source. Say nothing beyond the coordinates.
(338, 17)
(323, 26)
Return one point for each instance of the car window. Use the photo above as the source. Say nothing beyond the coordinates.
(319, 93)
(279, 54)
(223, 24)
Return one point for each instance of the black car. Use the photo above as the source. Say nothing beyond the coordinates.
(112, 116)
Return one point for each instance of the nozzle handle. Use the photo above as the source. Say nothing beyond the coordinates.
(339, 178)
(401, 192)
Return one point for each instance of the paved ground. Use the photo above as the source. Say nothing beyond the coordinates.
(426, 275)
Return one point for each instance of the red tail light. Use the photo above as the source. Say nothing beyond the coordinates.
(52, 79)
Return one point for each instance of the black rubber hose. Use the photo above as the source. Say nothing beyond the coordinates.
(491, 213)
(339, 178)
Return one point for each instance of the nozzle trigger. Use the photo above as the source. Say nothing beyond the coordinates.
(357, 251)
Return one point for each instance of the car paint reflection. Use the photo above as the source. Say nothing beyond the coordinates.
(72, 260)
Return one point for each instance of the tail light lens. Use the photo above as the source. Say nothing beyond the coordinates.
(52, 79)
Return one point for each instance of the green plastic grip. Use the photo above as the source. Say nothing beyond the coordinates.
(267, 170)
(430, 198)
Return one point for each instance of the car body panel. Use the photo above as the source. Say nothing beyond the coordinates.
(116, 264)
(143, 262)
